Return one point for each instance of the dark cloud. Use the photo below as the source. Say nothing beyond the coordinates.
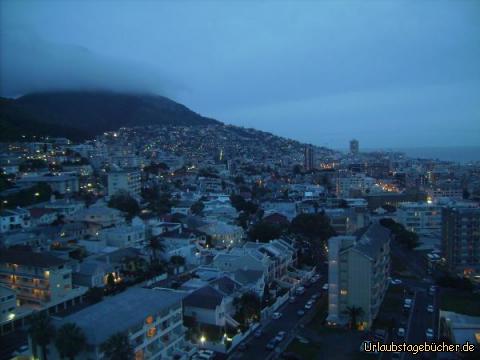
(30, 63)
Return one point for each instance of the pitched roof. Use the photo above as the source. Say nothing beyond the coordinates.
(206, 297)
(225, 285)
(247, 276)
(371, 239)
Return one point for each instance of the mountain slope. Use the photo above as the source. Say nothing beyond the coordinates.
(91, 113)
(16, 124)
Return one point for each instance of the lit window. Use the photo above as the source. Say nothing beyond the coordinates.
(151, 332)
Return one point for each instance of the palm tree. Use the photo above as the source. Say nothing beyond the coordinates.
(41, 331)
(353, 312)
(117, 347)
(70, 341)
(155, 245)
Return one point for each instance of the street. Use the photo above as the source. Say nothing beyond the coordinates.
(289, 322)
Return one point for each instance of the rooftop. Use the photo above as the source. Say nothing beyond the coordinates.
(121, 312)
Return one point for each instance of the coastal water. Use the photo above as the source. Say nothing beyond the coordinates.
(461, 154)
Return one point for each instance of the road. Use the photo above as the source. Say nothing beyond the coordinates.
(289, 322)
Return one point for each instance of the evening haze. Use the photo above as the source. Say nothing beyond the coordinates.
(391, 74)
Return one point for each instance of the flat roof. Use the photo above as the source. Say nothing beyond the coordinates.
(121, 312)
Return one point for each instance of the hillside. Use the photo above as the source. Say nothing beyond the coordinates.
(80, 114)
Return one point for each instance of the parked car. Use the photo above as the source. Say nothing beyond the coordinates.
(401, 332)
(300, 312)
(429, 334)
(258, 333)
(395, 281)
(276, 315)
(432, 290)
(430, 308)
(292, 299)
(271, 344)
(280, 336)
(325, 286)
(407, 304)
(300, 290)
(308, 306)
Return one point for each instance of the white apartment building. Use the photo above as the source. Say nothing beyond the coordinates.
(420, 217)
(39, 279)
(359, 182)
(152, 318)
(126, 235)
(358, 270)
(14, 219)
(62, 184)
(128, 180)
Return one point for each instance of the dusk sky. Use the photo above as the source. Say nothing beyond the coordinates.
(389, 73)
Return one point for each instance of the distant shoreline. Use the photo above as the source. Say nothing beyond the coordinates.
(461, 154)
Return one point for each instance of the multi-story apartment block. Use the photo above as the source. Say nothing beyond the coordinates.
(359, 267)
(358, 182)
(14, 219)
(461, 239)
(420, 217)
(39, 279)
(152, 319)
(8, 304)
(62, 184)
(126, 235)
(128, 180)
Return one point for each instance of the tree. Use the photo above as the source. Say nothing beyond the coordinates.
(316, 228)
(156, 246)
(353, 312)
(266, 295)
(248, 307)
(70, 341)
(41, 331)
(117, 347)
(312, 226)
(110, 281)
(197, 207)
(408, 238)
(124, 202)
(264, 231)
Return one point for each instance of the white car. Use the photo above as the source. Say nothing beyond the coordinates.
(401, 332)
(280, 336)
(276, 315)
(429, 334)
(325, 286)
(430, 308)
(395, 281)
(308, 306)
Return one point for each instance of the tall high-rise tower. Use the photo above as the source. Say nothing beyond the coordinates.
(309, 160)
(354, 147)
